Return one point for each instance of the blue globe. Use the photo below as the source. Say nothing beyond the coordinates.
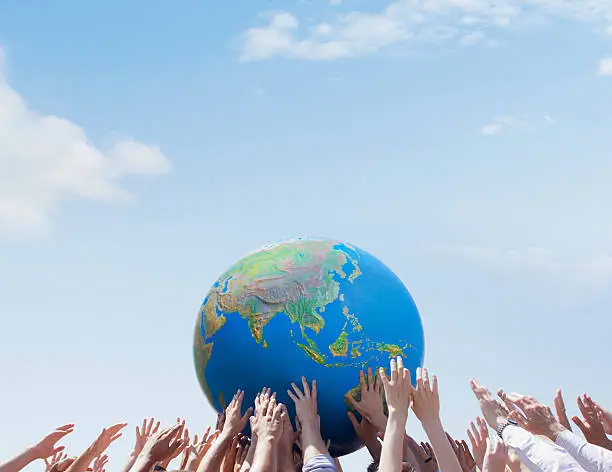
(305, 307)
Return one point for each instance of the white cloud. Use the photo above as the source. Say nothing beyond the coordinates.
(503, 123)
(605, 67)
(45, 159)
(357, 33)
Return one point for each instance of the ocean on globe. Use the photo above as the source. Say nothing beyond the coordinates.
(306, 307)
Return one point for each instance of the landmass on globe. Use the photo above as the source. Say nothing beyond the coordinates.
(299, 282)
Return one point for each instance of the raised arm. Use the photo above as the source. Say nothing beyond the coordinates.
(306, 410)
(370, 404)
(426, 406)
(398, 396)
(268, 426)
(143, 433)
(234, 423)
(44, 449)
(97, 448)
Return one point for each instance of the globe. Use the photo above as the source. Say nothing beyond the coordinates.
(317, 308)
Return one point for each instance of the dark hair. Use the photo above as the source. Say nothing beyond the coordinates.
(373, 467)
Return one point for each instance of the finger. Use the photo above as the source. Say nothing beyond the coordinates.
(371, 380)
(383, 376)
(419, 380)
(393, 368)
(426, 384)
(306, 387)
(297, 391)
(471, 438)
(362, 382)
(581, 425)
(561, 412)
(353, 419)
(313, 394)
(292, 396)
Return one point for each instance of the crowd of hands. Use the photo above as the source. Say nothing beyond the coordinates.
(275, 445)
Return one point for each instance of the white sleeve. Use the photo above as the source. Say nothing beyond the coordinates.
(592, 458)
(539, 455)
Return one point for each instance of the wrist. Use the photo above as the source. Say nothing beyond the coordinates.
(31, 454)
(432, 424)
(554, 430)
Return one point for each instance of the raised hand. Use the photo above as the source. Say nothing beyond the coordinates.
(494, 414)
(107, 437)
(54, 460)
(426, 402)
(496, 457)
(47, 446)
(421, 456)
(591, 426)
(268, 425)
(367, 432)
(561, 413)
(370, 404)
(100, 463)
(230, 456)
(478, 434)
(163, 444)
(462, 451)
(398, 395)
(193, 450)
(605, 416)
(307, 413)
(241, 455)
(143, 433)
(183, 434)
(235, 421)
(535, 417)
(287, 440)
(198, 450)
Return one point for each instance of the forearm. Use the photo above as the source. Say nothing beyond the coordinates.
(82, 462)
(248, 460)
(142, 464)
(447, 460)
(214, 457)
(312, 442)
(539, 455)
(130, 463)
(591, 457)
(374, 448)
(20, 462)
(265, 459)
(392, 449)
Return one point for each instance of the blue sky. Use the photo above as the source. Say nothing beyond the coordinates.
(144, 147)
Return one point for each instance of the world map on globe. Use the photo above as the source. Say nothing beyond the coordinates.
(318, 308)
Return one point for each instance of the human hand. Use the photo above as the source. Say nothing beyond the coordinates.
(193, 448)
(424, 460)
(592, 427)
(235, 421)
(46, 447)
(268, 424)
(478, 434)
(288, 436)
(183, 435)
(496, 456)
(305, 403)
(397, 388)
(426, 402)
(367, 432)
(53, 461)
(229, 460)
(462, 451)
(143, 434)
(99, 463)
(561, 413)
(198, 450)
(241, 455)
(532, 415)
(370, 404)
(106, 438)
(163, 444)
(494, 414)
(605, 416)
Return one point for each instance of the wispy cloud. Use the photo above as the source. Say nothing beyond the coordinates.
(45, 159)
(503, 123)
(605, 66)
(357, 33)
